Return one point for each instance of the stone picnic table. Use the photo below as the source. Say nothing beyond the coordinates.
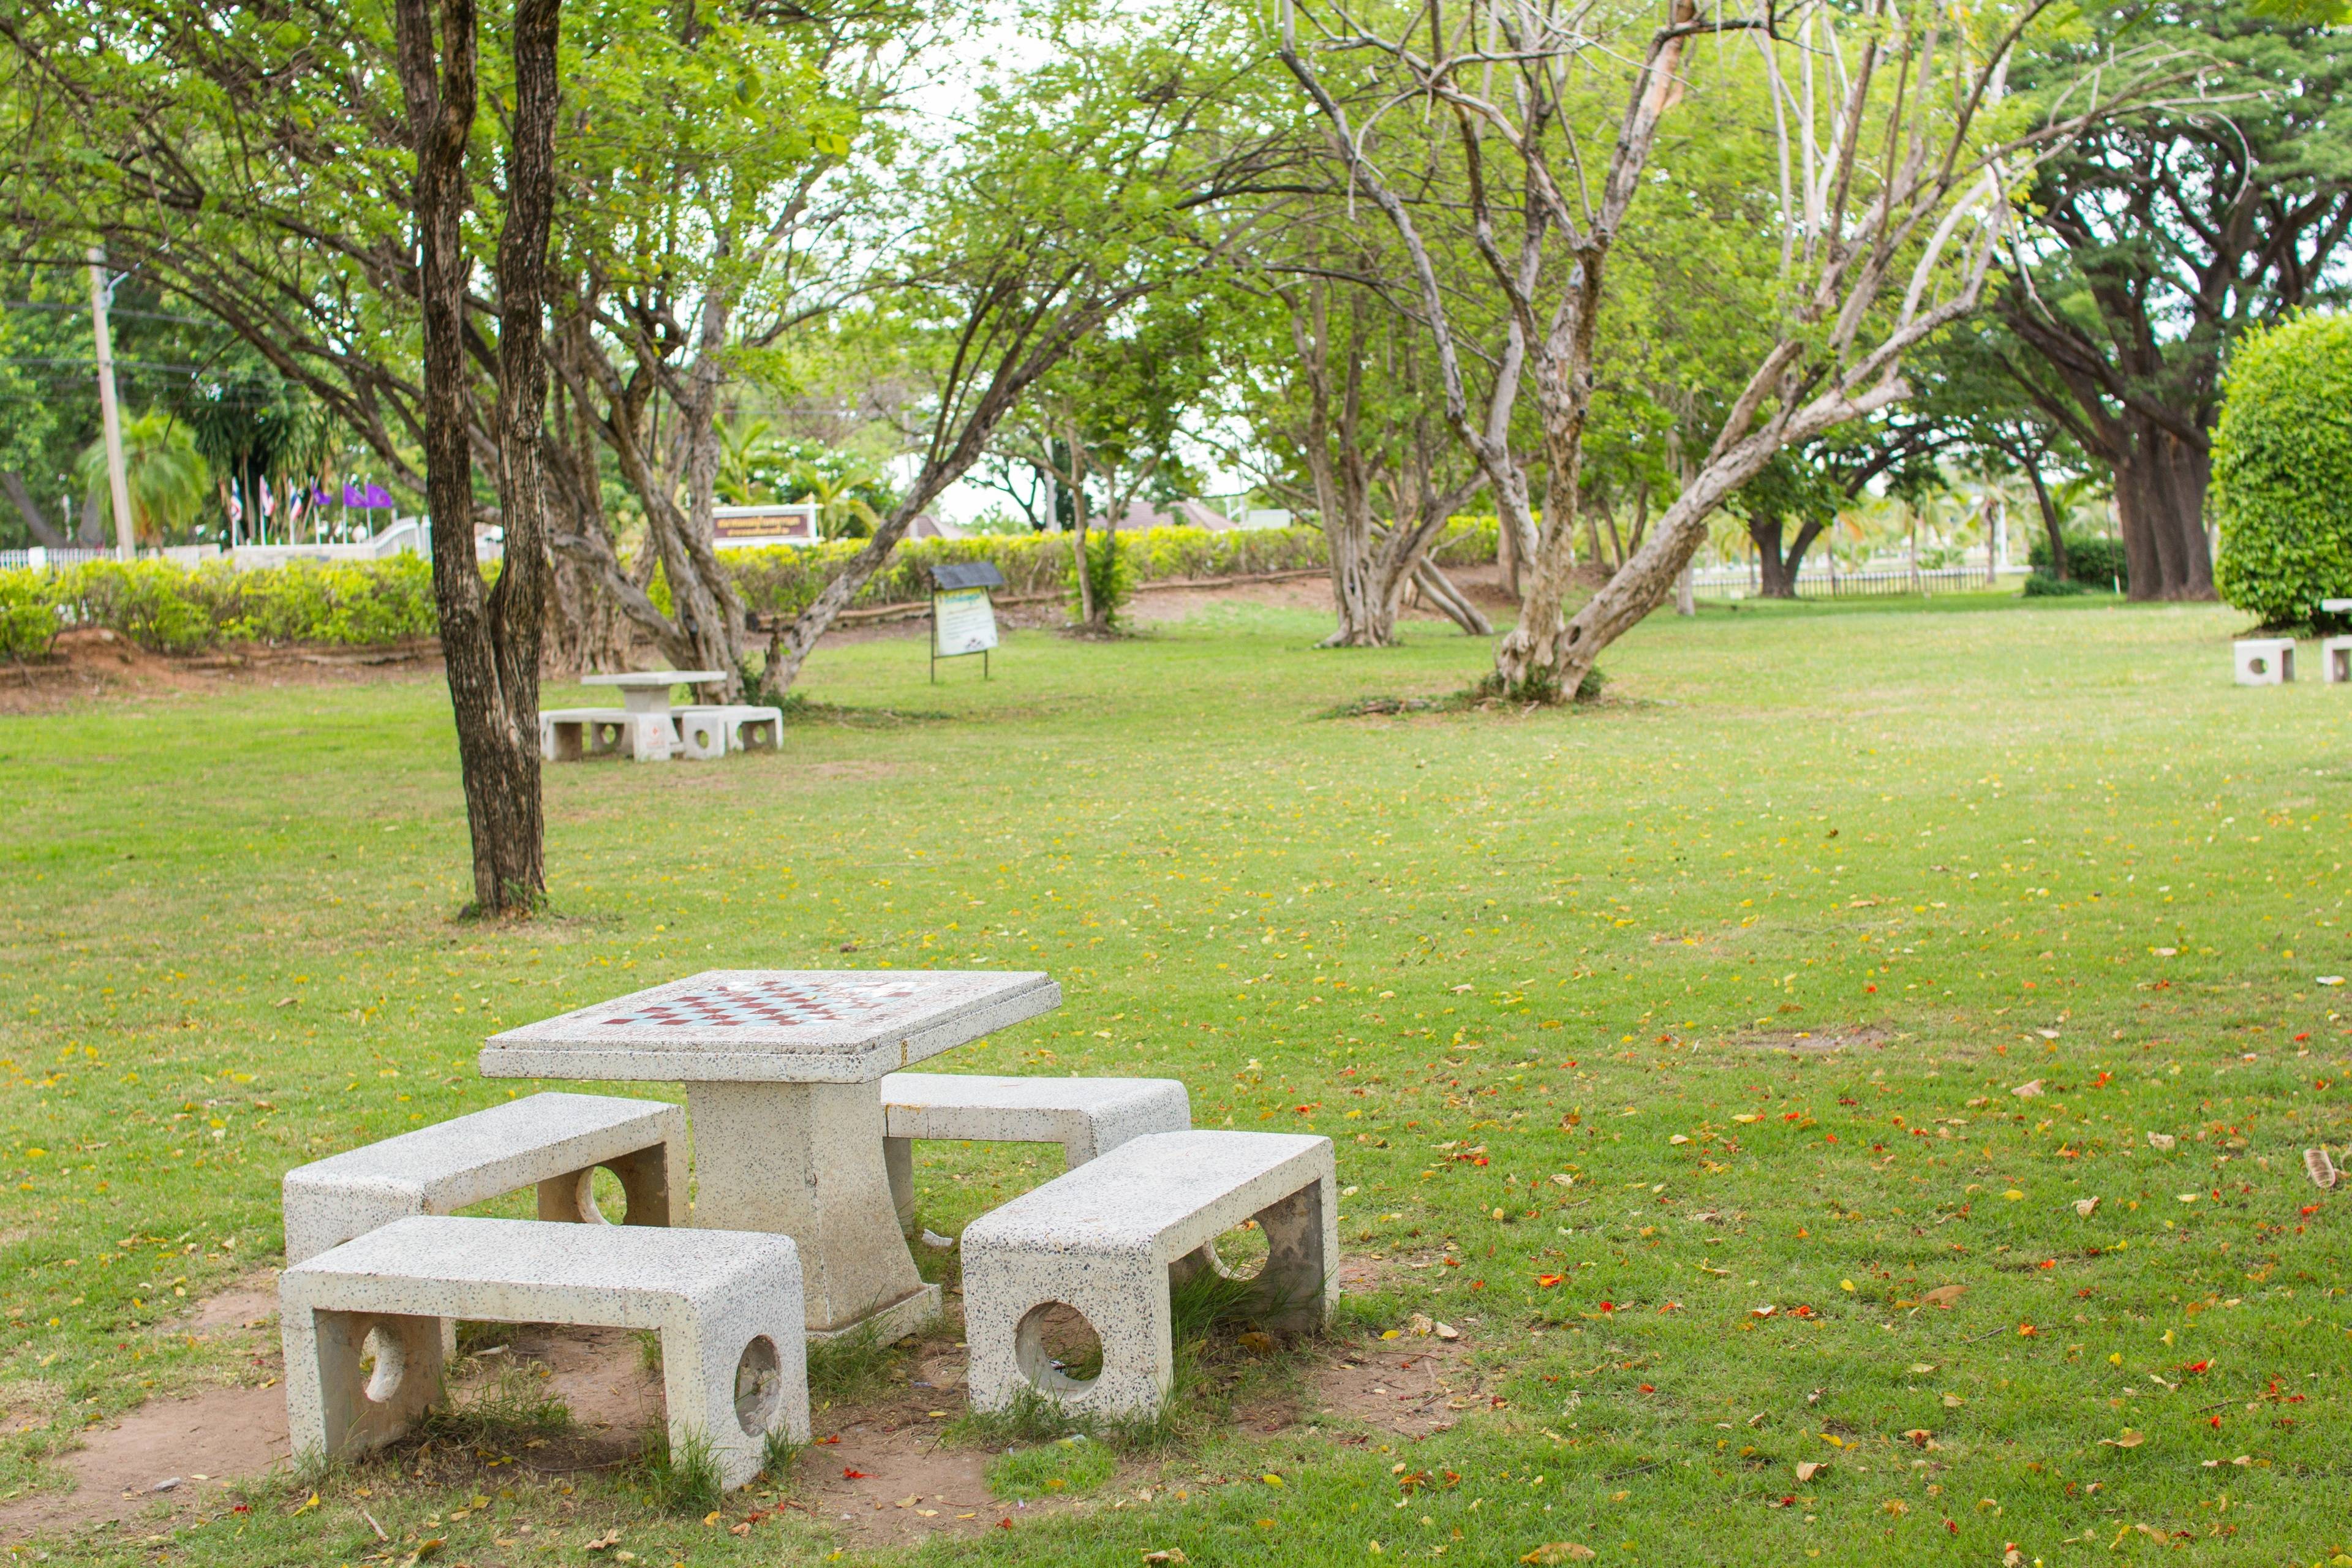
(782, 1071)
(647, 691)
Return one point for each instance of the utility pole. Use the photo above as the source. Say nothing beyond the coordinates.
(109, 416)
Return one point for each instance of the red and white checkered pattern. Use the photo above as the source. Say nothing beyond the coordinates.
(768, 1003)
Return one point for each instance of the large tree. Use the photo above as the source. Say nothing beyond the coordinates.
(2159, 236)
(1896, 147)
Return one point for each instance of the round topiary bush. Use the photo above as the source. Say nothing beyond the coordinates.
(2283, 470)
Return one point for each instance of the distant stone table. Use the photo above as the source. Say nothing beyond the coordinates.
(647, 691)
(783, 1070)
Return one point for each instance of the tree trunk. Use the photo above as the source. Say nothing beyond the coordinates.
(38, 525)
(1777, 570)
(2160, 481)
(490, 642)
(1431, 580)
(2050, 525)
(1772, 577)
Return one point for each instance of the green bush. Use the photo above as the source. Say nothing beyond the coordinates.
(28, 614)
(2093, 559)
(2045, 584)
(170, 608)
(2282, 490)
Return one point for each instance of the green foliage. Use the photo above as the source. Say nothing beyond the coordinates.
(783, 579)
(2283, 470)
(849, 1367)
(2042, 583)
(28, 614)
(2093, 559)
(1062, 1468)
(1110, 575)
(684, 1478)
(169, 608)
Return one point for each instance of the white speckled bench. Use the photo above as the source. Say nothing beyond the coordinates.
(555, 1142)
(726, 1303)
(712, 730)
(1086, 1116)
(570, 734)
(1103, 1239)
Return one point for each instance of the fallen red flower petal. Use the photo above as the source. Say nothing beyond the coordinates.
(1548, 1281)
(855, 1476)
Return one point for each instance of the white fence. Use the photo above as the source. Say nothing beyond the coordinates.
(1876, 581)
(411, 536)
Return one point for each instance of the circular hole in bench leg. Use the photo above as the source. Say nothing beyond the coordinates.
(1240, 1253)
(759, 1385)
(385, 1362)
(601, 1197)
(1057, 1349)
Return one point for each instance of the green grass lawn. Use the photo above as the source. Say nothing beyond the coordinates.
(1537, 974)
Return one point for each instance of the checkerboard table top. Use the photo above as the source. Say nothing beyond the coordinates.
(774, 1026)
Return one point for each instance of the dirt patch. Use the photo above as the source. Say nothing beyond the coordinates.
(250, 1303)
(1414, 1385)
(167, 1457)
(881, 1475)
(1816, 1042)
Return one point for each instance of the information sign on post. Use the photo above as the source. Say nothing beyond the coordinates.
(963, 616)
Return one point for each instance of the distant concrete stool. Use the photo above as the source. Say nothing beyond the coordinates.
(2336, 660)
(729, 727)
(574, 734)
(727, 1305)
(1086, 1116)
(1104, 1239)
(2265, 661)
(701, 733)
(556, 1142)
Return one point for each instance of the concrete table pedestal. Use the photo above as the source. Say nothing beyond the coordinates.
(782, 1071)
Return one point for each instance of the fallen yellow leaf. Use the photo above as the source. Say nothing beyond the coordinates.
(1556, 1551)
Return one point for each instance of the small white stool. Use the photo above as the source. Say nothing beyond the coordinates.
(2264, 661)
(2335, 659)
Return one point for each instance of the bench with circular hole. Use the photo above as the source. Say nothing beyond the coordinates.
(554, 1142)
(363, 1356)
(1101, 1243)
(1086, 1116)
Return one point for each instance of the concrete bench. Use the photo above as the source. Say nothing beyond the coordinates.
(572, 734)
(363, 1359)
(1103, 1240)
(2264, 661)
(1086, 1116)
(2336, 660)
(707, 731)
(555, 1142)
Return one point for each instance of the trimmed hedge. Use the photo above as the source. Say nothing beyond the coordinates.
(783, 579)
(2282, 490)
(176, 609)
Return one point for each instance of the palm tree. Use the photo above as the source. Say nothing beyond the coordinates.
(838, 506)
(168, 478)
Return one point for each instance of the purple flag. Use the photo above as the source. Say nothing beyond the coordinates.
(365, 495)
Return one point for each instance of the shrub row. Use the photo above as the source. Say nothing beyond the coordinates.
(176, 609)
(783, 580)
